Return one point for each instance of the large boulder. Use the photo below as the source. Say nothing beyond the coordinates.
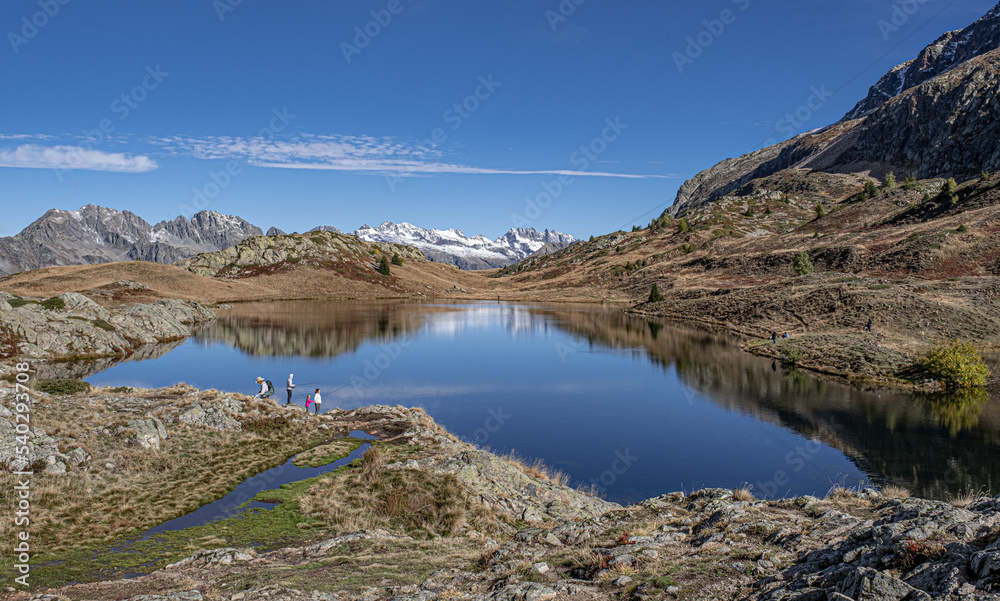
(79, 304)
(212, 416)
(148, 432)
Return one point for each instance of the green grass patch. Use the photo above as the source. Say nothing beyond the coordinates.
(62, 387)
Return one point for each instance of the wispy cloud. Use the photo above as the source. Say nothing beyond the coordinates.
(353, 154)
(33, 156)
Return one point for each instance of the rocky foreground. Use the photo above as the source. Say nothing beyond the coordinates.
(517, 534)
(73, 326)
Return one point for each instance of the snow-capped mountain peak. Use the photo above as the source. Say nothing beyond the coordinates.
(476, 252)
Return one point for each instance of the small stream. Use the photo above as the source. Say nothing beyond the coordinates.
(236, 501)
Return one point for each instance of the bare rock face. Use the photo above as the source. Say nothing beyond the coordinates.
(95, 234)
(84, 329)
(952, 48)
(934, 116)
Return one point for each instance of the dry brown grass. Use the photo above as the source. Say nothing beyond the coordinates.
(744, 493)
(896, 492)
(537, 469)
(967, 497)
(414, 502)
(143, 487)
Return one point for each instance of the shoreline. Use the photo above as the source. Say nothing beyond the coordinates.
(512, 512)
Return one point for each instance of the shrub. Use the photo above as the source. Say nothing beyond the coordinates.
(53, 303)
(802, 264)
(957, 365)
(654, 294)
(962, 229)
(985, 175)
(17, 301)
(62, 387)
(820, 211)
(910, 182)
(682, 226)
(383, 266)
(890, 180)
(396, 259)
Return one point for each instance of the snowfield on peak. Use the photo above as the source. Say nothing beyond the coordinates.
(454, 247)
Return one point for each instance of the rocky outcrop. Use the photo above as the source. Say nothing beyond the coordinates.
(934, 116)
(83, 329)
(95, 234)
(952, 48)
(214, 415)
(269, 254)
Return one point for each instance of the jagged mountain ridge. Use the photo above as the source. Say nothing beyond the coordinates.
(452, 246)
(95, 234)
(940, 122)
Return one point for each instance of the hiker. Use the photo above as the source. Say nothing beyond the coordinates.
(317, 400)
(774, 337)
(266, 389)
(868, 326)
(289, 388)
(841, 294)
(785, 335)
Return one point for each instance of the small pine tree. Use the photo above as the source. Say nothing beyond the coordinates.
(910, 182)
(890, 180)
(767, 211)
(396, 259)
(949, 187)
(654, 294)
(985, 175)
(383, 266)
(802, 264)
(644, 262)
(591, 239)
(682, 226)
(820, 211)
(871, 190)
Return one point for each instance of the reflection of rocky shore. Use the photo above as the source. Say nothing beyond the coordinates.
(295, 328)
(89, 367)
(933, 445)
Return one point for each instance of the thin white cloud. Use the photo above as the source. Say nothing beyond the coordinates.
(33, 156)
(352, 154)
(27, 137)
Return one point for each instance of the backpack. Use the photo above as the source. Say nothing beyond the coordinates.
(270, 389)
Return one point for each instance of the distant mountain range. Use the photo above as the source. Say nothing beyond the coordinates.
(95, 234)
(934, 116)
(478, 252)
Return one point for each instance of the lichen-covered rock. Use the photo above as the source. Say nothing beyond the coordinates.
(85, 329)
(212, 416)
(148, 432)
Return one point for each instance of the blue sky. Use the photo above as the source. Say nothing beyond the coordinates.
(577, 115)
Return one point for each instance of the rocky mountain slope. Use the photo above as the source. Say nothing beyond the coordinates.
(934, 116)
(455, 248)
(95, 234)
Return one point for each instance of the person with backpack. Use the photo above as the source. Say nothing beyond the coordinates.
(266, 388)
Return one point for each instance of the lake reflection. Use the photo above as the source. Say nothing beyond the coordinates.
(632, 406)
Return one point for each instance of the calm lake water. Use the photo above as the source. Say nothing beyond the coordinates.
(634, 407)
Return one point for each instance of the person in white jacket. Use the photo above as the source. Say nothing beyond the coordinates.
(317, 400)
(289, 388)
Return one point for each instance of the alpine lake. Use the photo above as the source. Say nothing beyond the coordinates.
(628, 406)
